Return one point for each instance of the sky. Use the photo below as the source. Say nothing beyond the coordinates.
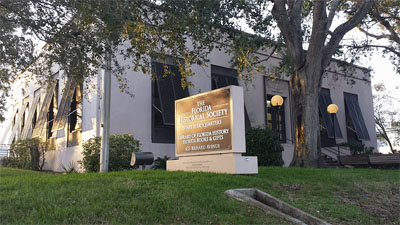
(383, 72)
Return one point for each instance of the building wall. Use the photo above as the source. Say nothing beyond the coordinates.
(133, 114)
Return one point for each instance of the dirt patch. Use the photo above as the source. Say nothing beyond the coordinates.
(287, 187)
(376, 199)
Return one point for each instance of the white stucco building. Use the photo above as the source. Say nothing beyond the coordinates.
(76, 117)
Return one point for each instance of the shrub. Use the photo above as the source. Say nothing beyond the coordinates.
(70, 169)
(27, 154)
(8, 161)
(264, 144)
(160, 163)
(357, 148)
(120, 152)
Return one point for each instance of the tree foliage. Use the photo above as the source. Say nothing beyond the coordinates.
(27, 154)
(121, 148)
(382, 28)
(79, 33)
(264, 144)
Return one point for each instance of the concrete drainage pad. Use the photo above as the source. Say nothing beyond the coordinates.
(269, 203)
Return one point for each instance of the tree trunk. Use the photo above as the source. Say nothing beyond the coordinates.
(310, 66)
(305, 89)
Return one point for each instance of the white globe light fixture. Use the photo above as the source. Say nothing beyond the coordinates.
(277, 100)
(332, 109)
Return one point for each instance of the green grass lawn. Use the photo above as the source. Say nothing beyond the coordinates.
(345, 196)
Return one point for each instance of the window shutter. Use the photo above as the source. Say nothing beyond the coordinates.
(18, 121)
(176, 77)
(356, 117)
(221, 81)
(64, 109)
(224, 77)
(167, 96)
(323, 102)
(37, 131)
(28, 125)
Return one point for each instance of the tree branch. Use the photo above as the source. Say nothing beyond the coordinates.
(295, 11)
(382, 131)
(376, 36)
(290, 27)
(375, 46)
(270, 55)
(331, 14)
(393, 34)
(341, 30)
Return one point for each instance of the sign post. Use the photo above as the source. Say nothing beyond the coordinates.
(210, 133)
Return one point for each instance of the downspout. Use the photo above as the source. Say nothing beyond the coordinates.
(98, 102)
(104, 154)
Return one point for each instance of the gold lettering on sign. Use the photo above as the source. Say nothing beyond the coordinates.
(203, 123)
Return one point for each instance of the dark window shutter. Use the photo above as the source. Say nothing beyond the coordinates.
(163, 134)
(222, 77)
(166, 93)
(37, 131)
(323, 102)
(65, 103)
(177, 84)
(351, 102)
(18, 121)
(232, 81)
(223, 71)
(222, 81)
(27, 127)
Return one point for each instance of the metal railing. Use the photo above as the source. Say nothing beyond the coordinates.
(4, 150)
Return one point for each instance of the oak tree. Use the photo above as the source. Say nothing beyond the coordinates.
(79, 33)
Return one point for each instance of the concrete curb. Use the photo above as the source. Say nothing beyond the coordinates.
(271, 204)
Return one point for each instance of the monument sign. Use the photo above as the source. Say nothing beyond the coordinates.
(210, 133)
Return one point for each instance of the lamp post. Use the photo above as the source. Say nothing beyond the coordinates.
(277, 101)
(333, 109)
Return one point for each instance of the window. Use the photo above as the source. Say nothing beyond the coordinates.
(326, 141)
(165, 90)
(31, 117)
(16, 128)
(222, 77)
(75, 118)
(64, 106)
(355, 125)
(14, 119)
(23, 119)
(36, 104)
(36, 107)
(52, 112)
(273, 116)
(34, 120)
(44, 108)
(325, 120)
(12, 139)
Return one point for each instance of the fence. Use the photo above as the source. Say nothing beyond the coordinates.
(4, 150)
